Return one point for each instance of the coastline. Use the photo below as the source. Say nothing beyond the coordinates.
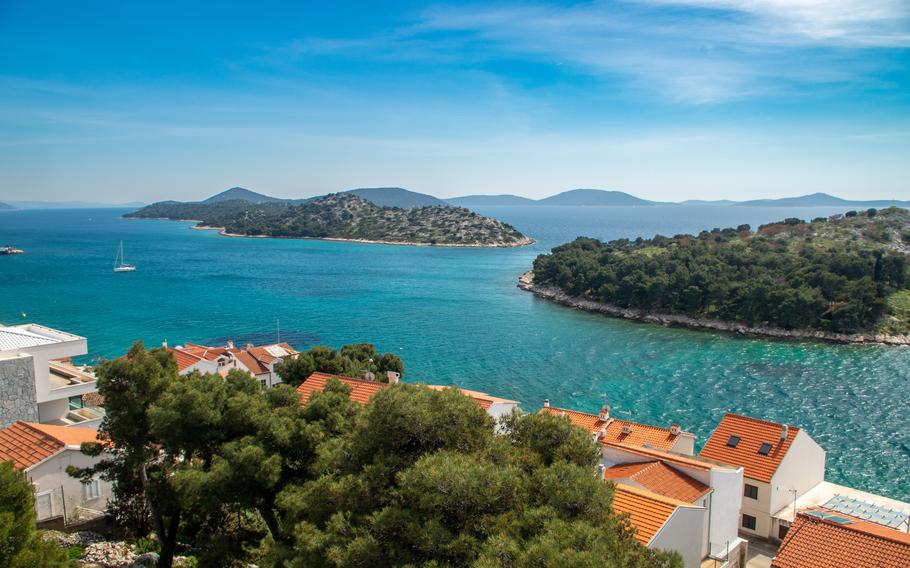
(553, 294)
(221, 231)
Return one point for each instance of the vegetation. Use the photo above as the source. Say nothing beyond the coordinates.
(235, 474)
(353, 360)
(343, 216)
(20, 543)
(844, 274)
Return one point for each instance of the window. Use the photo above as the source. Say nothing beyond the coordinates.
(749, 522)
(765, 449)
(751, 491)
(91, 490)
(75, 403)
(733, 441)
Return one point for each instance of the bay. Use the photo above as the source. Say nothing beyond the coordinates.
(456, 317)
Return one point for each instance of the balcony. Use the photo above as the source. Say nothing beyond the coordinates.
(68, 380)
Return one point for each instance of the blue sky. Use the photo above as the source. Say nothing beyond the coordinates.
(665, 99)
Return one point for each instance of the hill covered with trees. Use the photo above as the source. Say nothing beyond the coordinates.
(343, 216)
(230, 474)
(845, 274)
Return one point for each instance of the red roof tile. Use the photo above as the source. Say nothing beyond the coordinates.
(752, 433)
(27, 443)
(640, 435)
(659, 478)
(648, 511)
(184, 360)
(812, 542)
(361, 390)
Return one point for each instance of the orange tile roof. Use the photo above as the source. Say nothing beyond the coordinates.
(361, 390)
(641, 435)
(659, 478)
(481, 398)
(752, 433)
(184, 360)
(251, 363)
(812, 542)
(648, 511)
(28, 443)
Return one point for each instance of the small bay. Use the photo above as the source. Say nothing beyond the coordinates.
(456, 317)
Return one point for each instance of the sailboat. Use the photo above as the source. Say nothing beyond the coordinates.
(119, 264)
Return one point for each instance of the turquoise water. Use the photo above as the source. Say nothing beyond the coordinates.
(455, 316)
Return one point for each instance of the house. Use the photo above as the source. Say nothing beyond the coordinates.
(604, 428)
(362, 390)
(780, 464)
(819, 538)
(661, 461)
(43, 452)
(260, 362)
(664, 523)
(39, 382)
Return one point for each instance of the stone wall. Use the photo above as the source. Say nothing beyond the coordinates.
(18, 399)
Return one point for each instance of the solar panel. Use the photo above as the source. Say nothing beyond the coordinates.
(829, 517)
(867, 511)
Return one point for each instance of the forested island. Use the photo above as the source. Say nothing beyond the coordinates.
(843, 278)
(342, 216)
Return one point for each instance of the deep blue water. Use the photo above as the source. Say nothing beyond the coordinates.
(455, 316)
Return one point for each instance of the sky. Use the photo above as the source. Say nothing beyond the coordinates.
(665, 99)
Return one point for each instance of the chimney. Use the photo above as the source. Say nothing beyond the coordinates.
(674, 429)
(601, 471)
(369, 376)
(604, 413)
(784, 431)
(164, 343)
(230, 344)
(546, 403)
(627, 429)
(602, 434)
(393, 377)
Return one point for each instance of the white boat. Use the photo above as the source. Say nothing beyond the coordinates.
(119, 264)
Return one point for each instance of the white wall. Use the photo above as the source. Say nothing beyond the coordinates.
(684, 444)
(725, 508)
(802, 469)
(53, 410)
(42, 354)
(50, 475)
(684, 532)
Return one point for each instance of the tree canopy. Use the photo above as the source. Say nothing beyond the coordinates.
(839, 275)
(353, 360)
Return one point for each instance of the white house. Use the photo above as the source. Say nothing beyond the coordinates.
(260, 362)
(781, 463)
(43, 452)
(38, 383)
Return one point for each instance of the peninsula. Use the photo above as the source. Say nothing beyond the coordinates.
(843, 278)
(342, 216)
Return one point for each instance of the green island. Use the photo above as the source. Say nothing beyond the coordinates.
(843, 278)
(343, 216)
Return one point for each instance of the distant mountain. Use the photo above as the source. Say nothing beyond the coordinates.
(819, 200)
(396, 197)
(240, 194)
(72, 205)
(595, 197)
(486, 200)
(6, 207)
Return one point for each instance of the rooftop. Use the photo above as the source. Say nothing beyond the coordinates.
(819, 540)
(31, 335)
(658, 477)
(824, 493)
(638, 434)
(753, 444)
(483, 399)
(361, 390)
(647, 511)
(28, 443)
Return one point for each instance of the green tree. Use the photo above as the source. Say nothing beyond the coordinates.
(20, 543)
(353, 360)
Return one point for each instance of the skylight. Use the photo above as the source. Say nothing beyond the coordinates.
(733, 441)
(765, 449)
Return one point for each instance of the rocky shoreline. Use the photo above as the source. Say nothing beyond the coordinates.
(554, 294)
(221, 231)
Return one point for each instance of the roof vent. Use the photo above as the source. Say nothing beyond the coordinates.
(393, 377)
(604, 413)
(546, 403)
(784, 431)
(627, 429)
(230, 344)
(164, 343)
(602, 434)
(369, 376)
(674, 430)
(601, 471)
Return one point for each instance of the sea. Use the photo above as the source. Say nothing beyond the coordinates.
(455, 316)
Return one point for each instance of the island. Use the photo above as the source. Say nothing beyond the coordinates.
(342, 216)
(843, 278)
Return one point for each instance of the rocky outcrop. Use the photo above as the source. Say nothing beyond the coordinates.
(554, 294)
